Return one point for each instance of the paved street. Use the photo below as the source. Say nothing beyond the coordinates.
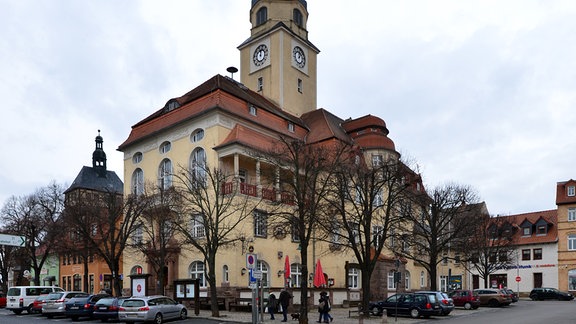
(523, 312)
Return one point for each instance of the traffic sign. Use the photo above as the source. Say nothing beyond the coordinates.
(257, 274)
(251, 260)
(12, 240)
(518, 279)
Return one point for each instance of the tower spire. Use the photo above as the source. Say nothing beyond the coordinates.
(99, 157)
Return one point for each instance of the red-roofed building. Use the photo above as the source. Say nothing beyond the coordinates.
(222, 121)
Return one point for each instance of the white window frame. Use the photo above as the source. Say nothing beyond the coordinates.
(377, 234)
(137, 182)
(165, 147)
(137, 157)
(299, 85)
(197, 228)
(571, 191)
(422, 279)
(197, 135)
(571, 214)
(198, 166)
(571, 242)
(391, 281)
(260, 223)
(196, 271)
(263, 267)
(354, 278)
(165, 174)
(295, 275)
(225, 273)
(407, 280)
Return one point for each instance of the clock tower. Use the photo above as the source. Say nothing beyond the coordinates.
(277, 60)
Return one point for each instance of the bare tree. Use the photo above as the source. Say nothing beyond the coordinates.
(104, 225)
(365, 198)
(7, 262)
(212, 213)
(305, 175)
(435, 223)
(158, 225)
(490, 247)
(36, 218)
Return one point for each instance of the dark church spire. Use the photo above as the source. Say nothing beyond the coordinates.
(99, 157)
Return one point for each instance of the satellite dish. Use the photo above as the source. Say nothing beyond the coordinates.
(232, 70)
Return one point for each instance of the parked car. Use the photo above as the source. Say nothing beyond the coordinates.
(514, 296)
(107, 308)
(55, 304)
(151, 308)
(446, 303)
(493, 297)
(465, 298)
(412, 304)
(550, 293)
(38, 304)
(82, 306)
(21, 298)
(2, 300)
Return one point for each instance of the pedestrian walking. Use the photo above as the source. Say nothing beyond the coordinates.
(324, 308)
(284, 299)
(272, 305)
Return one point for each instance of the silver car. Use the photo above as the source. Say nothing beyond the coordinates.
(151, 308)
(54, 305)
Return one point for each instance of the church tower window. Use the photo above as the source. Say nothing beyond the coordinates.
(261, 16)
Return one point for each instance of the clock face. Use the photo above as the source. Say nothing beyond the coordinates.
(260, 55)
(299, 56)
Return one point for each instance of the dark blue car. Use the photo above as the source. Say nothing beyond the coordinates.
(82, 306)
(411, 304)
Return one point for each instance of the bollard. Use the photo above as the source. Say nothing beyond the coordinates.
(384, 317)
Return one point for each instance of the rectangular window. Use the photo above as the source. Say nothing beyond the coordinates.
(376, 161)
(252, 110)
(537, 254)
(260, 223)
(300, 85)
(291, 127)
(525, 254)
(197, 229)
(353, 276)
(541, 230)
(377, 234)
(572, 242)
(260, 85)
(571, 191)
(571, 214)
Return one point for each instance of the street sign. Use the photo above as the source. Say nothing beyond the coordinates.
(518, 279)
(12, 240)
(251, 261)
(257, 274)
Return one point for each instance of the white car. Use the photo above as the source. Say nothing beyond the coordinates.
(151, 308)
(55, 304)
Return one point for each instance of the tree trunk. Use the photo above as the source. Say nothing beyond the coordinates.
(213, 288)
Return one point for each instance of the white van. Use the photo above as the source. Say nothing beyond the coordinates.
(21, 298)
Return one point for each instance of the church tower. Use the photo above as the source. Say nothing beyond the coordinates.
(99, 157)
(278, 61)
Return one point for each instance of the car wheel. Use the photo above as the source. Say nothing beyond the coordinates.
(375, 311)
(414, 313)
(183, 314)
(29, 310)
(17, 312)
(158, 319)
(468, 306)
(493, 303)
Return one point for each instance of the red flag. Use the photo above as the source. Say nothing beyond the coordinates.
(287, 268)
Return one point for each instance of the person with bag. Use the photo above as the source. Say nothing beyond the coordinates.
(284, 300)
(324, 308)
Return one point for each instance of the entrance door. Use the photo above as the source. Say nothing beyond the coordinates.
(475, 281)
(538, 280)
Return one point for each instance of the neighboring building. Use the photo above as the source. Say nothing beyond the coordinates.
(222, 121)
(535, 253)
(89, 184)
(566, 202)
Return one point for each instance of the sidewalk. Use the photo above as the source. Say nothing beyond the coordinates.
(339, 314)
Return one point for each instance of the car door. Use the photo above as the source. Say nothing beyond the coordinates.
(171, 307)
(405, 304)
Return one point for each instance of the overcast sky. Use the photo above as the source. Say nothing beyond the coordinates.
(481, 93)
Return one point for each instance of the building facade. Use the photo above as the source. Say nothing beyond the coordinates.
(222, 121)
(566, 203)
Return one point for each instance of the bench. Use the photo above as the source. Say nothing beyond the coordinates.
(240, 304)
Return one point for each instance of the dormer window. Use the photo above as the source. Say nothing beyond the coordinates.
(571, 191)
(541, 230)
(526, 231)
(171, 105)
(291, 127)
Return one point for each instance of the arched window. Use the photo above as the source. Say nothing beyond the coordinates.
(138, 182)
(196, 271)
(295, 275)
(263, 267)
(197, 135)
(261, 16)
(407, 280)
(198, 166)
(298, 19)
(422, 279)
(353, 278)
(165, 174)
(391, 281)
(165, 147)
(225, 274)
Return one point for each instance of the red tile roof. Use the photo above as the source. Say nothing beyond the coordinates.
(549, 216)
(561, 193)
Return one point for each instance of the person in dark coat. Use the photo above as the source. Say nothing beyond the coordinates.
(284, 300)
(272, 305)
(324, 307)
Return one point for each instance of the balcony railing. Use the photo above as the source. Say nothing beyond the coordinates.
(248, 189)
(252, 190)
